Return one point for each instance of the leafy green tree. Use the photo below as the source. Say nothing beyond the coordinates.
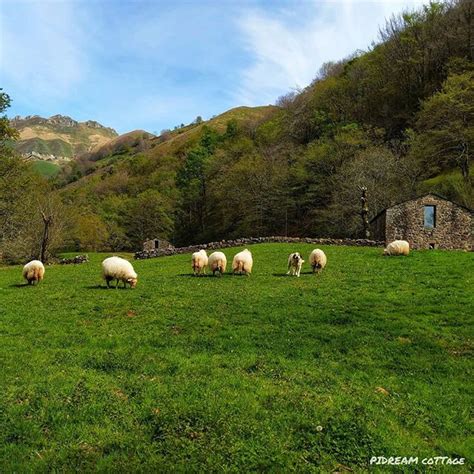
(446, 125)
(7, 132)
(147, 216)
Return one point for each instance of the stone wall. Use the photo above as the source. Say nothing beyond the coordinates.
(255, 240)
(452, 230)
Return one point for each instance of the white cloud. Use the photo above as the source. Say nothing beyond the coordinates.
(289, 46)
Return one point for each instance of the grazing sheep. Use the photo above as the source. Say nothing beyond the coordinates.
(295, 262)
(317, 260)
(217, 262)
(243, 262)
(33, 272)
(116, 268)
(397, 247)
(200, 261)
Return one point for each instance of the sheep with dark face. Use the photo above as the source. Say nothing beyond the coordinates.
(33, 272)
(317, 260)
(217, 262)
(295, 262)
(116, 268)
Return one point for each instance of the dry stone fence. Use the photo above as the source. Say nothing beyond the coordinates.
(255, 240)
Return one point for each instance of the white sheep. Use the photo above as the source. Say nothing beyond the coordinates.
(317, 260)
(199, 262)
(243, 262)
(295, 262)
(217, 262)
(397, 247)
(33, 272)
(116, 268)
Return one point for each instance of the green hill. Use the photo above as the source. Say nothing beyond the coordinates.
(201, 374)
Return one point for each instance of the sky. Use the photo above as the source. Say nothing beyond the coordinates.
(152, 65)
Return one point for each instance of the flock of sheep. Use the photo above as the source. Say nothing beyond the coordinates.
(243, 262)
(121, 270)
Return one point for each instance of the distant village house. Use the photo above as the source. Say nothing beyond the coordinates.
(427, 222)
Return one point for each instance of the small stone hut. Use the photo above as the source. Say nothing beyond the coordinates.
(427, 222)
(156, 244)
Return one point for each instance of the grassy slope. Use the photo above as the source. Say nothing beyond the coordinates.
(185, 373)
(55, 147)
(46, 168)
(186, 137)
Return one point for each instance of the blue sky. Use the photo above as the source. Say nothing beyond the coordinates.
(133, 64)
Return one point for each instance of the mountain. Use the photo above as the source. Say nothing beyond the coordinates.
(58, 138)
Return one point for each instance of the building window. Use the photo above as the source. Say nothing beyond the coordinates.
(430, 217)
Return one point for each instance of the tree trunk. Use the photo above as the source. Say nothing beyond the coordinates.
(45, 240)
(365, 212)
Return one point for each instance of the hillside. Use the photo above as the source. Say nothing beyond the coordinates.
(260, 374)
(58, 138)
(174, 142)
(397, 119)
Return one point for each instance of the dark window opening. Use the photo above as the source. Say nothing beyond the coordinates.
(431, 246)
(157, 244)
(430, 217)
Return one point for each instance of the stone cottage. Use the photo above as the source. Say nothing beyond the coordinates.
(156, 244)
(427, 222)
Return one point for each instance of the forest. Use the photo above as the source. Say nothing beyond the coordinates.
(397, 119)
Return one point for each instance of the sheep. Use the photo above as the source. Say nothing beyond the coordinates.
(397, 247)
(295, 262)
(243, 262)
(317, 260)
(199, 262)
(217, 262)
(33, 272)
(116, 268)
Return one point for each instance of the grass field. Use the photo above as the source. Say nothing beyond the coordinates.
(371, 358)
(46, 168)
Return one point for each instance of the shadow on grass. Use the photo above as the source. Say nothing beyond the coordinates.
(207, 275)
(281, 275)
(103, 287)
(21, 285)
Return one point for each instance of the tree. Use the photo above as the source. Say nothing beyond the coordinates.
(91, 233)
(7, 132)
(446, 124)
(147, 216)
(192, 180)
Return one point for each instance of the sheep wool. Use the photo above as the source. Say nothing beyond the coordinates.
(243, 262)
(317, 260)
(217, 262)
(33, 272)
(397, 247)
(199, 262)
(116, 268)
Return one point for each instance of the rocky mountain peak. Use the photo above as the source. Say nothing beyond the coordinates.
(62, 120)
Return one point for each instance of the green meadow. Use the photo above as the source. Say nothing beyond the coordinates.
(372, 357)
(46, 168)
